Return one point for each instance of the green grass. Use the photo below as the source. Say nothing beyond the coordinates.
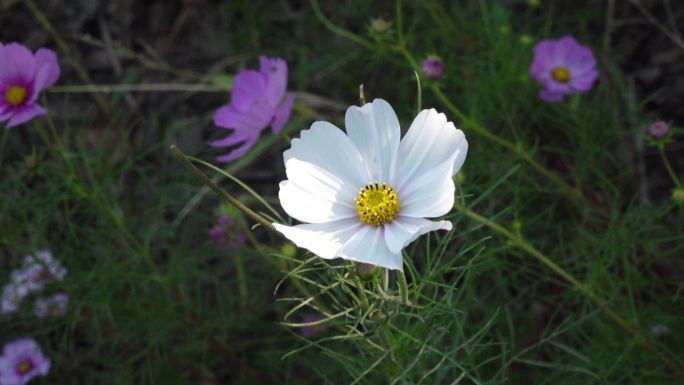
(153, 301)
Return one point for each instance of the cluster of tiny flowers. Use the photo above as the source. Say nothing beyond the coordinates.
(36, 271)
(21, 361)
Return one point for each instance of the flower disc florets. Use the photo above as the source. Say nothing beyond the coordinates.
(377, 204)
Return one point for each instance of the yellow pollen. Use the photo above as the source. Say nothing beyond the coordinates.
(25, 367)
(560, 74)
(15, 95)
(377, 204)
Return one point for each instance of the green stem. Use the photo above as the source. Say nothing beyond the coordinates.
(403, 288)
(365, 305)
(579, 286)
(145, 87)
(668, 167)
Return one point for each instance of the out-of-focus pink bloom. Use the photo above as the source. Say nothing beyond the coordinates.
(38, 270)
(23, 75)
(12, 295)
(257, 101)
(22, 360)
(53, 306)
(563, 67)
(225, 233)
(658, 129)
(432, 68)
(312, 330)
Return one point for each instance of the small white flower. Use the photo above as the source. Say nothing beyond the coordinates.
(365, 195)
(12, 295)
(38, 270)
(53, 306)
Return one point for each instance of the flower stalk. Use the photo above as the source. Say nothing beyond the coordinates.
(183, 159)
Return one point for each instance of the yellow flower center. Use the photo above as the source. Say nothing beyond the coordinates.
(25, 367)
(377, 204)
(15, 95)
(560, 74)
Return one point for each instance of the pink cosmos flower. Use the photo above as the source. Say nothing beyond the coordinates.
(257, 101)
(563, 67)
(22, 76)
(53, 306)
(22, 360)
(432, 68)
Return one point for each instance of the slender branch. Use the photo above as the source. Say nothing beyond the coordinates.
(181, 157)
(669, 168)
(64, 47)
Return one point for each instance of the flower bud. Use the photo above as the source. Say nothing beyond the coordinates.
(380, 25)
(658, 129)
(432, 68)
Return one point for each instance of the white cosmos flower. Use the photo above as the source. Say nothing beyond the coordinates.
(366, 194)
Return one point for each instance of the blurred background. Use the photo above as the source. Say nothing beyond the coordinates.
(155, 298)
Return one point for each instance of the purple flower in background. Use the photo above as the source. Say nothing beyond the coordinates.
(312, 330)
(432, 68)
(563, 67)
(12, 295)
(658, 129)
(226, 233)
(22, 76)
(22, 360)
(53, 306)
(38, 270)
(257, 101)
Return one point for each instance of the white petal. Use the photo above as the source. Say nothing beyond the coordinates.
(404, 230)
(322, 239)
(322, 205)
(429, 142)
(369, 246)
(327, 147)
(374, 129)
(429, 194)
(460, 158)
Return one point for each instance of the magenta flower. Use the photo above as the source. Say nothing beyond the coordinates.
(225, 233)
(432, 68)
(22, 360)
(563, 67)
(22, 76)
(658, 129)
(257, 101)
(53, 306)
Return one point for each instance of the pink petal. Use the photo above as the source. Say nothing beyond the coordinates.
(551, 96)
(248, 86)
(24, 114)
(239, 151)
(47, 69)
(228, 117)
(16, 63)
(275, 72)
(282, 114)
